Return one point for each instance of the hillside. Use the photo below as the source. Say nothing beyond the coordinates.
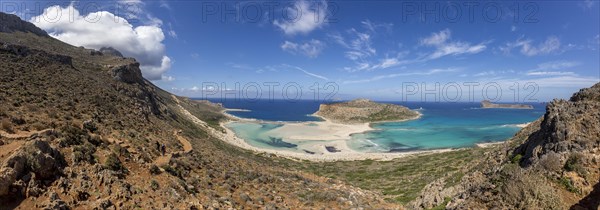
(79, 129)
(364, 111)
(551, 164)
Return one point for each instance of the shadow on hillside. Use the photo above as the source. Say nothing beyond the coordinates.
(10, 202)
(591, 201)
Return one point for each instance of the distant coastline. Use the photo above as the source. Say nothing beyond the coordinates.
(489, 105)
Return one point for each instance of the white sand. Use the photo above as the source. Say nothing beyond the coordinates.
(322, 134)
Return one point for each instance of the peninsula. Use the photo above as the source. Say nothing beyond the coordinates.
(489, 105)
(364, 111)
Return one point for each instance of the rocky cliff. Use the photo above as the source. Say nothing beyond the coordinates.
(551, 164)
(364, 111)
(489, 105)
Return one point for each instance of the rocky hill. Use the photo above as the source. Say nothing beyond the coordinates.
(82, 129)
(364, 111)
(489, 105)
(551, 164)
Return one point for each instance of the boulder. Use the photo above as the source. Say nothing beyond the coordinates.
(129, 73)
(110, 51)
(35, 156)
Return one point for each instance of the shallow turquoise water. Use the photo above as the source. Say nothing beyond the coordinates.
(443, 125)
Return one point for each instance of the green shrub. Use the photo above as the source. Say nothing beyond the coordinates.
(516, 159)
(72, 136)
(113, 163)
(154, 169)
(574, 164)
(154, 185)
(568, 184)
(85, 153)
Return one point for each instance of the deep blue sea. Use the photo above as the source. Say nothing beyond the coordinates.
(443, 125)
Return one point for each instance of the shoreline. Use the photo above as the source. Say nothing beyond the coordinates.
(319, 150)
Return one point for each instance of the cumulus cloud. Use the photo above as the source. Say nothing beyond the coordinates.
(104, 29)
(303, 17)
(311, 48)
(552, 44)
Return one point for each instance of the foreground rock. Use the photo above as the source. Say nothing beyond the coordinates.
(33, 162)
(364, 111)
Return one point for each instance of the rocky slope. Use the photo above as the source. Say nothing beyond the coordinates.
(551, 164)
(79, 129)
(364, 111)
(489, 105)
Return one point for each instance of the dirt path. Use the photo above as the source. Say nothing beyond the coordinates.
(20, 134)
(187, 146)
(7, 149)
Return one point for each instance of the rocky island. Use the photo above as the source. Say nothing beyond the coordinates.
(489, 105)
(364, 111)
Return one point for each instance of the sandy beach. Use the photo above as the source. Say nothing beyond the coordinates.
(335, 135)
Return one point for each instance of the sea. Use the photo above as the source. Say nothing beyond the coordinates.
(443, 125)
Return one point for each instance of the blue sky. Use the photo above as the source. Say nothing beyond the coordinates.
(375, 49)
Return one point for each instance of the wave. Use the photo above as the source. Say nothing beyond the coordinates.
(238, 110)
(520, 125)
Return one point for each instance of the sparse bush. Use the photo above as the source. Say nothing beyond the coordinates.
(173, 171)
(551, 162)
(527, 190)
(154, 185)
(17, 120)
(154, 169)
(113, 163)
(38, 126)
(90, 126)
(516, 158)
(72, 136)
(84, 152)
(568, 184)
(7, 125)
(574, 164)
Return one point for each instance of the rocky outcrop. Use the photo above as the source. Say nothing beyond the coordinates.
(567, 127)
(129, 73)
(364, 111)
(23, 51)
(489, 105)
(34, 161)
(10, 23)
(110, 51)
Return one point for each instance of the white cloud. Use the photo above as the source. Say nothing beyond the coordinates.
(173, 34)
(167, 78)
(375, 26)
(551, 73)
(305, 72)
(513, 28)
(557, 65)
(493, 73)
(103, 29)
(441, 41)
(304, 17)
(311, 48)
(389, 76)
(587, 4)
(552, 44)
(437, 38)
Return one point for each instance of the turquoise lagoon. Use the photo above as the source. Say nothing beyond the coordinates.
(443, 125)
